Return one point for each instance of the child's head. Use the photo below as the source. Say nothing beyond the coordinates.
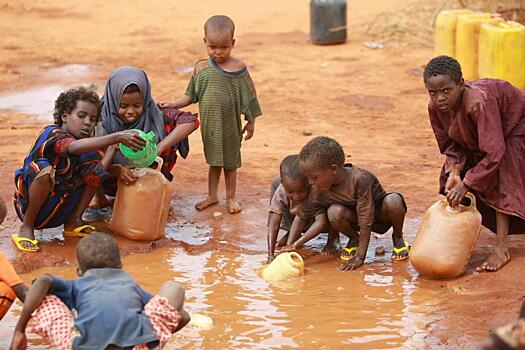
(131, 104)
(77, 111)
(294, 182)
(98, 250)
(321, 160)
(218, 37)
(444, 82)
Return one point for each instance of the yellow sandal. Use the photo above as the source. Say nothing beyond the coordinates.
(348, 253)
(397, 251)
(78, 231)
(17, 241)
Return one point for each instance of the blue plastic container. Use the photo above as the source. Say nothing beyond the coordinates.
(327, 22)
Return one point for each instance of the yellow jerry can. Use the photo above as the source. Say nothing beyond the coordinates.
(445, 32)
(502, 52)
(467, 37)
(445, 239)
(285, 265)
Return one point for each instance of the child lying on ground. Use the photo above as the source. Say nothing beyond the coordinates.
(286, 200)
(353, 199)
(8, 276)
(111, 310)
(63, 169)
(508, 337)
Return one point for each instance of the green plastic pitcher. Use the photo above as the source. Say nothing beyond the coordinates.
(142, 158)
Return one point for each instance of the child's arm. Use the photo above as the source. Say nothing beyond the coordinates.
(182, 102)
(274, 222)
(177, 135)
(320, 224)
(129, 137)
(34, 298)
(297, 228)
(249, 128)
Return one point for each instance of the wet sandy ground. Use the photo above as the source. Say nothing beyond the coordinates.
(372, 101)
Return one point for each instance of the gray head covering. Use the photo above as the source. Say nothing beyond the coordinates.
(151, 118)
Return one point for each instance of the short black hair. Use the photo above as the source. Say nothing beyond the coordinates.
(131, 88)
(443, 65)
(98, 250)
(67, 101)
(323, 151)
(219, 24)
(290, 169)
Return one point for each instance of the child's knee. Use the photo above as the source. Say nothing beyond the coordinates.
(337, 213)
(174, 293)
(394, 205)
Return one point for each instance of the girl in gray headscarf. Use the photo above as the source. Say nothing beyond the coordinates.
(127, 104)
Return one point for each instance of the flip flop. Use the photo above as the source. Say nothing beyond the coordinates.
(17, 240)
(348, 253)
(77, 232)
(397, 251)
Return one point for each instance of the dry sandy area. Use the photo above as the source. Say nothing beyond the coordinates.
(372, 101)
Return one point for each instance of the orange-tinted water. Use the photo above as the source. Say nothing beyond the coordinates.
(380, 306)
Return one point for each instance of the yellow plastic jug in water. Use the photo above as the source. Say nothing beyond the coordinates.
(284, 266)
(502, 52)
(445, 32)
(141, 209)
(445, 239)
(467, 40)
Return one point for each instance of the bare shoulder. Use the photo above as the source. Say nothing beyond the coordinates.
(237, 64)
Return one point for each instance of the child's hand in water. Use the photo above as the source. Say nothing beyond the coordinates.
(352, 264)
(270, 258)
(131, 139)
(249, 128)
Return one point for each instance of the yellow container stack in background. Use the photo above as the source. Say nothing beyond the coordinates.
(445, 31)
(502, 52)
(467, 36)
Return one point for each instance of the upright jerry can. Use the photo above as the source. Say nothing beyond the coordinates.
(445, 32)
(502, 52)
(327, 22)
(446, 239)
(141, 209)
(467, 40)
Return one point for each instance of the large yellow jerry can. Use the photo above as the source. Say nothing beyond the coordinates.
(284, 266)
(467, 38)
(502, 52)
(141, 210)
(445, 32)
(446, 239)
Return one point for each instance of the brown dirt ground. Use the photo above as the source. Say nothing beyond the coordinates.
(372, 101)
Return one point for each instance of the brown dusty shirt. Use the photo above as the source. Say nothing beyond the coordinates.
(360, 191)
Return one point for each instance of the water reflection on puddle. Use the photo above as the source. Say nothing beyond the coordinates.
(325, 309)
(40, 101)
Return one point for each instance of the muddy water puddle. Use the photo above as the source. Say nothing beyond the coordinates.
(377, 307)
(39, 101)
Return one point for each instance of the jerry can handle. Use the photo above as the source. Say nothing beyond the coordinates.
(159, 161)
(472, 204)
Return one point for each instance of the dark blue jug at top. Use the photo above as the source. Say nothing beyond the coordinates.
(327, 21)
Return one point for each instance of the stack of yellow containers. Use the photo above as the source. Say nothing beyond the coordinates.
(502, 52)
(445, 31)
(467, 39)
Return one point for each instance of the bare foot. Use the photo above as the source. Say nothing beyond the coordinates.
(208, 202)
(495, 261)
(331, 246)
(233, 206)
(73, 223)
(282, 242)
